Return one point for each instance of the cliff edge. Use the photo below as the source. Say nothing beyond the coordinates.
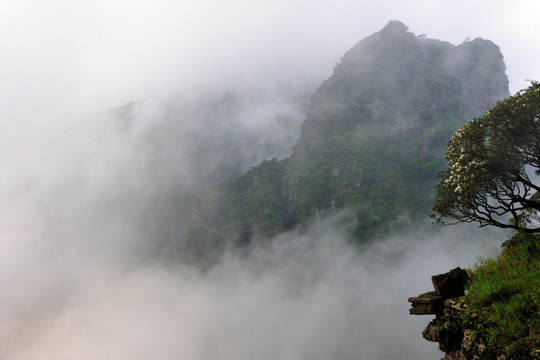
(495, 315)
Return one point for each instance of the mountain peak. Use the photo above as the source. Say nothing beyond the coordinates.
(372, 141)
(394, 27)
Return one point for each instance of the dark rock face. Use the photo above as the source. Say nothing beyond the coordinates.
(427, 303)
(451, 284)
(447, 285)
(453, 327)
(455, 341)
(431, 332)
(438, 302)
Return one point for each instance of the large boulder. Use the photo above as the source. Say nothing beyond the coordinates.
(451, 284)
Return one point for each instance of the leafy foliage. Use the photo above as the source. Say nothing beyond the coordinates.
(491, 160)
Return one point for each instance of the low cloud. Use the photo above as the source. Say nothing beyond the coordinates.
(305, 296)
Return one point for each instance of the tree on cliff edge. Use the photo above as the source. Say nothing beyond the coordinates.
(494, 167)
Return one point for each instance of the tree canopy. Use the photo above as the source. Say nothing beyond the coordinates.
(494, 164)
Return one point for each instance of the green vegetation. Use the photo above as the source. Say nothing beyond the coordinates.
(491, 162)
(504, 300)
(236, 212)
(374, 138)
(373, 142)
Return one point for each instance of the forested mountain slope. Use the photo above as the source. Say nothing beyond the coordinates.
(373, 141)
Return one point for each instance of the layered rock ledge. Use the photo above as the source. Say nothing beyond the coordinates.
(447, 285)
(444, 303)
(454, 327)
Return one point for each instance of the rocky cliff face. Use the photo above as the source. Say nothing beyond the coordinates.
(456, 330)
(373, 141)
(456, 341)
(376, 132)
(448, 329)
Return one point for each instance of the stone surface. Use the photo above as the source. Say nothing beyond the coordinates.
(426, 298)
(451, 284)
(455, 355)
(453, 325)
(429, 303)
(431, 332)
(426, 309)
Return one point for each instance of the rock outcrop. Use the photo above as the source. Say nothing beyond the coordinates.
(456, 340)
(451, 284)
(429, 303)
(454, 327)
(447, 285)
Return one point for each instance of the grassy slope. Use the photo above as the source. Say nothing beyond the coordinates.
(504, 301)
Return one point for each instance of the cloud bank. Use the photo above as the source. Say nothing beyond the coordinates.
(307, 296)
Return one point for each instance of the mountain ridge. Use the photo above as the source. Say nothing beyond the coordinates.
(372, 141)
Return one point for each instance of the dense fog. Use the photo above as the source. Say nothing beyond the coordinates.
(114, 113)
(88, 223)
(307, 296)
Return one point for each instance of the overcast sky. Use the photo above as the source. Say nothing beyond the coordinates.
(62, 60)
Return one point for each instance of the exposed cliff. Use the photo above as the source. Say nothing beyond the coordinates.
(499, 316)
(374, 138)
(373, 141)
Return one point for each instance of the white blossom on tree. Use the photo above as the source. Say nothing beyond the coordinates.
(493, 164)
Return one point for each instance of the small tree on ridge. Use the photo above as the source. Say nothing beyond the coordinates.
(494, 164)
